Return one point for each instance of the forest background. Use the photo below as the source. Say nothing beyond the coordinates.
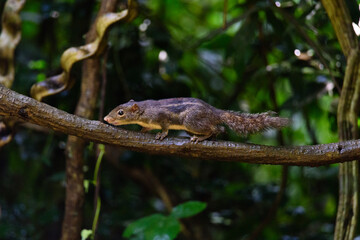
(250, 56)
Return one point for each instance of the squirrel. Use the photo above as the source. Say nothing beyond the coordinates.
(192, 115)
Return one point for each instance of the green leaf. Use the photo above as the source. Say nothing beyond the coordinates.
(156, 226)
(142, 224)
(40, 77)
(86, 185)
(188, 209)
(166, 229)
(85, 234)
(37, 65)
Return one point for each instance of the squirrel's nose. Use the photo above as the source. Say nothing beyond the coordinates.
(107, 119)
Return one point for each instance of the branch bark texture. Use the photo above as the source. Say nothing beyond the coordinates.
(20, 106)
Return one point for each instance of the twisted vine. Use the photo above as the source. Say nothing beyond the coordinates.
(63, 81)
(9, 38)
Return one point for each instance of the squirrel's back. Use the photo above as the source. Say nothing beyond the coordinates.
(241, 123)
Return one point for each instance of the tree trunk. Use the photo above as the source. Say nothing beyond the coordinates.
(90, 83)
(347, 213)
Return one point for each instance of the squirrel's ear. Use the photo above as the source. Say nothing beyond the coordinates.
(134, 108)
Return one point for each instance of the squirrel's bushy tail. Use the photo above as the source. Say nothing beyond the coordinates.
(247, 123)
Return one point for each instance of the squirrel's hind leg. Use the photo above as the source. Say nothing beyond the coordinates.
(197, 139)
(214, 132)
(202, 126)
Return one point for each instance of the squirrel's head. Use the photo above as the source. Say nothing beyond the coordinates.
(124, 114)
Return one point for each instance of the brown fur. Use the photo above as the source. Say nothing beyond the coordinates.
(192, 115)
(246, 123)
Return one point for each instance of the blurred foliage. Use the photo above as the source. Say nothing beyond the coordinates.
(158, 226)
(261, 61)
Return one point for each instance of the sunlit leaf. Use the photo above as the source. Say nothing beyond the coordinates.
(188, 209)
(85, 234)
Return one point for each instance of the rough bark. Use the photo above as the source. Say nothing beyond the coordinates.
(90, 83)
(20, 106)
(339, 16)
(347, 213)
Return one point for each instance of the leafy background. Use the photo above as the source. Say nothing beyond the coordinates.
(285, 59)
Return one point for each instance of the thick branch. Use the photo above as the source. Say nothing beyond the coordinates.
(30, 110)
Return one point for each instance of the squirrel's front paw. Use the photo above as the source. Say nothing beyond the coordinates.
(194, 139)
(161, 135)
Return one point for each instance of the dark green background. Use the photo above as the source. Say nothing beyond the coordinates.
(251, 66)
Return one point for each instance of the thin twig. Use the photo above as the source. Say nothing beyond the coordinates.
(218, 31)
(103, 85)
(284, 175)
(225, 10)
(98, 151)
(317, 48)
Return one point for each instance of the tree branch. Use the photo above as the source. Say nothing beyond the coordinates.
(20, 106)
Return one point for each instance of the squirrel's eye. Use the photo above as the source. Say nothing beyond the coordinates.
(121, 112)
